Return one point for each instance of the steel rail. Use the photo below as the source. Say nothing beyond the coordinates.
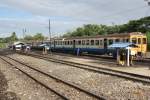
(126, 75)
(90, 93)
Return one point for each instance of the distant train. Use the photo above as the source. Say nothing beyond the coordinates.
(99, 44)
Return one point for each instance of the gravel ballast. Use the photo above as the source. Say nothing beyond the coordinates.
(22, 86)
(114, 87)
(4, 93)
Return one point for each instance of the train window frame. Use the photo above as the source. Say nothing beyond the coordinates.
(117, 40)
(64, 43)
(92, 42)
(139, 40)
(87, 42)
(144, 40)
(59, 42)
(67, 42)
(100, 42)
(97, 42)
(79, 42)
(70, 42)
(134, 41)
(110, 41)
(83, 42)
(127, 40)
(124, 40)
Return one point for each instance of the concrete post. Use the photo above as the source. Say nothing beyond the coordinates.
(128, 56)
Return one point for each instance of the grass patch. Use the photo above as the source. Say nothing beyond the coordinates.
(2, 45)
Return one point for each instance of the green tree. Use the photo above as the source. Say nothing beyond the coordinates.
(148, 40)
(12, 38)
(39, 37)
(28, 37)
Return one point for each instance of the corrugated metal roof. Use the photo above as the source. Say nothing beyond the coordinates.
(122, 45)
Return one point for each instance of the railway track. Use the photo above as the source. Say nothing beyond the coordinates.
(125, 75)
(92, 95)
(105, 60)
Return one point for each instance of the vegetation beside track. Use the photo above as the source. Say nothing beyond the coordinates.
(2, 45)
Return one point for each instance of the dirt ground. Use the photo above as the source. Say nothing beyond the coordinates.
(4, 94)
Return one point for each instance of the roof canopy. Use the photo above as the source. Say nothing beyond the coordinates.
(17, 43)
(122, 45)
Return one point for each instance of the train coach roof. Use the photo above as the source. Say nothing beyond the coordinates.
(103, 36)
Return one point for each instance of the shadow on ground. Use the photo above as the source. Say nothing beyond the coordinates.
(4, 52)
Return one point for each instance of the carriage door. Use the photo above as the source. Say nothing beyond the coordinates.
(74, 42)
(105, 43)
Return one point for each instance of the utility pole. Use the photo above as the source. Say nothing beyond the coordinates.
(50, 34)
(24, 31)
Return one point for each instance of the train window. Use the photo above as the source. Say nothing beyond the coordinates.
(65, 42)
(70, 42)
(101, 42)
(83, 42)
(96, 42)
(144, 40)
(92, 42)
(117, 40)
(127, 40)
(139, 40)
(124, 40)
(87, 42)
(134, 40)
(110, 41)
(79, 42)
(59, 42)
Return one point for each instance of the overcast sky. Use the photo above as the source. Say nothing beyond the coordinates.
(66, 15)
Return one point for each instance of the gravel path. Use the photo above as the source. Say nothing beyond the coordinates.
(24, 87)
(114, 87)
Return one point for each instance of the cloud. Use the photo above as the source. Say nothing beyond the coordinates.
(67, 14)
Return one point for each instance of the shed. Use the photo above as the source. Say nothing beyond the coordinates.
(126, 46)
